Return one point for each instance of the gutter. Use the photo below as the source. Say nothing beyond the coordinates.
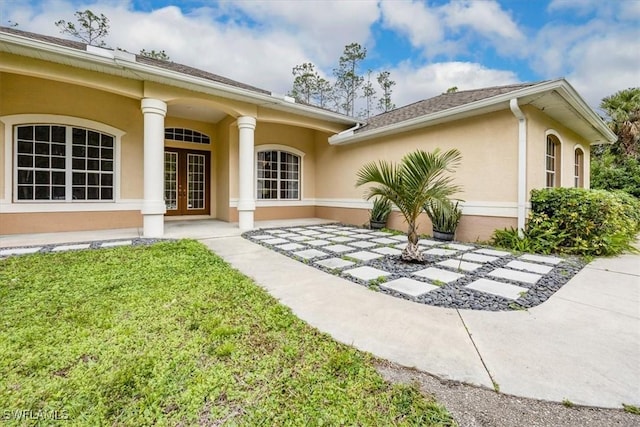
(522, 163)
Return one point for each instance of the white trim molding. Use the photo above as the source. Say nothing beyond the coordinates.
(122, 205)
(473, 208)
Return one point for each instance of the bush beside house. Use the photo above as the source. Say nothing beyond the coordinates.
(577, 221)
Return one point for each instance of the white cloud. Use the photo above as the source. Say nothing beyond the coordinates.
(485, 17)
(417, 83)
(416, 21)
(598, 56)
(605, 64)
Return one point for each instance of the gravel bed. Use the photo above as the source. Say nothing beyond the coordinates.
(451, 295)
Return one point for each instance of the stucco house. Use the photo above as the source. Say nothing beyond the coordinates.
(93, 138)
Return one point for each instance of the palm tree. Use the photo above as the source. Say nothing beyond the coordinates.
(419, 178)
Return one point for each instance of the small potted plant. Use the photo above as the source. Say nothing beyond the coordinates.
(445, 216)
(379, 213)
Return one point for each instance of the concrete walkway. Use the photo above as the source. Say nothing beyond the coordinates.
(583, 344)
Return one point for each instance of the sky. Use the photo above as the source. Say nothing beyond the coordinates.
(428, 46)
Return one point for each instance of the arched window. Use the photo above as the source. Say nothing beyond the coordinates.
(278, 175)
(186, 135)
(578, 168)
(552, 162)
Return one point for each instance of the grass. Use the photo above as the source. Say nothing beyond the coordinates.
(170, 334)
(632, 409)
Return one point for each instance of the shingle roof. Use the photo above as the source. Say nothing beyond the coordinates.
(167, 65)
(438, 103)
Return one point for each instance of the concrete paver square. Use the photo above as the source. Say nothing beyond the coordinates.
(309, 232)
(492, 252)
(338, 249)
(344, 233)
(365, 255)
(288, 235)
(118, 243)
(297, 229)
(275, 241)
(363, 244)
(290, 246)
(518, 276)
(362, 230)
(319, 242)
(310, 254)
(440, 252)
(541, 258)
(438, 274)
(323, 235)
(381, 234)
(493, 287)
(400, 245)
(387, 251)
(460, 265)
(458, 247)
(300, 238)
(262, 236)
(71, 247)
(19, 251)
(275, 231)
(478, 258)
(366, 273)
(399, 237)
(334, 263)
(529, 266)
(341, 239)
(428, 242)
(384, 240)
(409, 287)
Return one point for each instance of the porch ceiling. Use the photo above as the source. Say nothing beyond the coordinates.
(203, 113)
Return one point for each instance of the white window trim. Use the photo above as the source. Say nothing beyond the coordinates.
(557, 179)
(9, 205)
(584, 164)
(273, 202)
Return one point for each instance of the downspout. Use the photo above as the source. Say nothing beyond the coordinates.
(522, 163)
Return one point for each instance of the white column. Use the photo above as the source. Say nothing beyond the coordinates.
(153, 207)
(246, 200)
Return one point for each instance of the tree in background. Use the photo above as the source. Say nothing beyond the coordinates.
(90, 27)
(348, 80)
(617, 166)
(369, 95)
(386, 84)
(161, 55)
(348, 90)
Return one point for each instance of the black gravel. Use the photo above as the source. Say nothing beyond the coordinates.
(453, 294)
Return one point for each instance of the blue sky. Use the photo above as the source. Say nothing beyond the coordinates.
(428, 46)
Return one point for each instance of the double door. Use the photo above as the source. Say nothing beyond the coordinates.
(186, 182)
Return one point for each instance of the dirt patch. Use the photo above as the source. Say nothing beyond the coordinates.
(474, 406)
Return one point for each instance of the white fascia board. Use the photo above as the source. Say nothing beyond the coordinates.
(140, 71)
(484, 105)
(569, 94)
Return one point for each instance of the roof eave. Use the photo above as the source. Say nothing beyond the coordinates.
(174, 78)
(494, 103)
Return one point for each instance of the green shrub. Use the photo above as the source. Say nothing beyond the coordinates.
(577, 221)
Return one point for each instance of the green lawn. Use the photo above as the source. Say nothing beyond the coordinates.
(170, 334)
